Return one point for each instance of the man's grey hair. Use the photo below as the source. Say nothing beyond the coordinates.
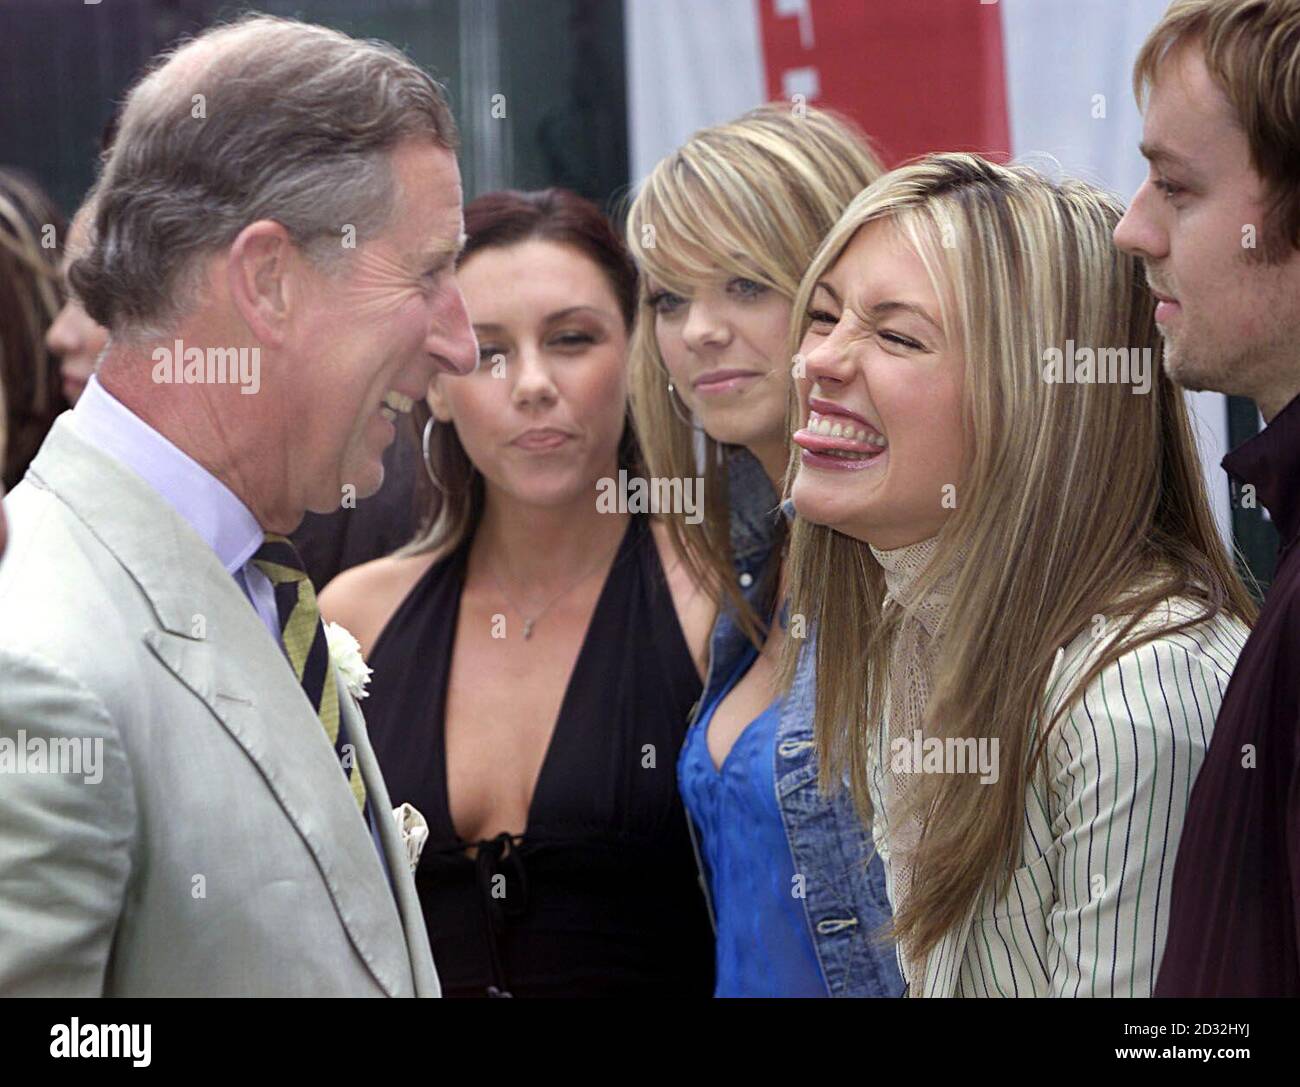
(264, 118)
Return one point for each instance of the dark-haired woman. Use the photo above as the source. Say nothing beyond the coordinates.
(536, 659)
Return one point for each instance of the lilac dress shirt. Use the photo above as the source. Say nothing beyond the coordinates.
(211, 508)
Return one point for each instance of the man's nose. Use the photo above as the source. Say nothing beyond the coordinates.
(1137, 233)
(452, 342)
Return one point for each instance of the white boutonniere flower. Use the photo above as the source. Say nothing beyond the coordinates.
(414, 832)
(345, 652)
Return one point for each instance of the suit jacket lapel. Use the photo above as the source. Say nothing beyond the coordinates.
(408, 903)
(212, 641)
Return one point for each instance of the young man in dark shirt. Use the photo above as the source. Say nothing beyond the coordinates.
(1218, 223)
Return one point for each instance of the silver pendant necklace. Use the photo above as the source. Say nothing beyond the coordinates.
(531, 622)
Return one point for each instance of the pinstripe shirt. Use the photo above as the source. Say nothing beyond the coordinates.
(1086, 912)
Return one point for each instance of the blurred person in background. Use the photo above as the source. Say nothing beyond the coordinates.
(74, 338)
(535, 654)
(724, 228)
(31, 231)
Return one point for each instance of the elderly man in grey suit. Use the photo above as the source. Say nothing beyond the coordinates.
(189, 804)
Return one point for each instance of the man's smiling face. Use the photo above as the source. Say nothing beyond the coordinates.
(1231, 322)
(377, 334)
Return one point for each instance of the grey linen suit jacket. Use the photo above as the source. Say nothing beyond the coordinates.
(220, 852)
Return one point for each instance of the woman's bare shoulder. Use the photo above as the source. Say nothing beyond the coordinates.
(363, 598)
(696, 611)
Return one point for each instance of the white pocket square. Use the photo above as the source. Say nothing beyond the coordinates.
(414, 832)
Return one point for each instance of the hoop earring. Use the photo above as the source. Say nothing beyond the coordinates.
(424, 445)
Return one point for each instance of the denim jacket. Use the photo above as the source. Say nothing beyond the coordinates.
(845, 902)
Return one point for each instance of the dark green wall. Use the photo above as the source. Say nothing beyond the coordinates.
(64, 63)
(1255, 534)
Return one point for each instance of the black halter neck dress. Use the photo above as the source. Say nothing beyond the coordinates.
(600, 895)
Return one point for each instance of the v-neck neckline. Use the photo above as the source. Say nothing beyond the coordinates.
(442, 789)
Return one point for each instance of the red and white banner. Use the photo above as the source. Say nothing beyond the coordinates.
(863, 58)
(1044, 81)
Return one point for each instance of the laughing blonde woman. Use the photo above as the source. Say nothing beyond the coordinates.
(724, 228)
(1026, 616)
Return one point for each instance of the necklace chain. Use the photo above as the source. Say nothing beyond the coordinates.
(530, 623)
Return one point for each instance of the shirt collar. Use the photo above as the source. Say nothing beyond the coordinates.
(212, 509)
(753, 506)
(1270, 461)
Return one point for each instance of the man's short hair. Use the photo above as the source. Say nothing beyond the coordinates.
(263, 118)
(1252, 51)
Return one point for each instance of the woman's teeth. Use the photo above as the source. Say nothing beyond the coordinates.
(821, 424)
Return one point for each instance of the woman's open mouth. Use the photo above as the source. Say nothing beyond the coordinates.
(838, 442)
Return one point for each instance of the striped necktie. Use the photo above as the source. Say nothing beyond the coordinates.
(303, 635)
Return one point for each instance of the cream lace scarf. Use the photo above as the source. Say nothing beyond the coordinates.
(912, 659)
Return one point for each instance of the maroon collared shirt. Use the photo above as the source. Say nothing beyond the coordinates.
(1233, 917)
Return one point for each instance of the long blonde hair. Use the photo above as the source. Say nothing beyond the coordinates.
(1079, 500)
(753, 198)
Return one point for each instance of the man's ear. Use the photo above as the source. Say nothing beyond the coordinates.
(437, 401)
(263, 267)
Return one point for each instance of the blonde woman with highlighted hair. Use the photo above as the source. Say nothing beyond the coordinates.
(1026, 618)
(723, 229)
